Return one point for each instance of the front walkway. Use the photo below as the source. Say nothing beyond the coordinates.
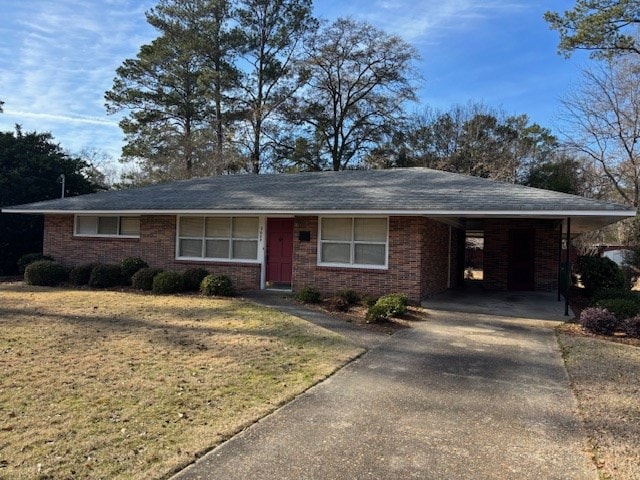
(460, 396)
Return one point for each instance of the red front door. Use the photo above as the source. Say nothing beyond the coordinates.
(279, 250)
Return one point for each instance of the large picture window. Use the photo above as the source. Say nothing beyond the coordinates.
(353, 241)
(220, 238)
(107, 226)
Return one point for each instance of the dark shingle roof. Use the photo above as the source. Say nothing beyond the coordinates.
(415, 190)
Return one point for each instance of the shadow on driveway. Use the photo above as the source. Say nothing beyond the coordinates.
(461, 396)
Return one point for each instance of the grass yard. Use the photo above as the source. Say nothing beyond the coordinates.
(100, 384)
(605, 377)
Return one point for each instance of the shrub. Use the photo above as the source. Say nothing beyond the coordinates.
(129, 266)
(369, 301)
(600, 273)
(377, 313)
(105, 276)
(45, 273)
(25, 260)
(631, 327)
(622, 308)
(387, 306)
(598, 320)
(81, 274)
(608, 293)
(168, 282)
(219, 285)
(396, 303)
(193, 278)
(338, 304)
(143, 278)
(351, 297)
(309, 295)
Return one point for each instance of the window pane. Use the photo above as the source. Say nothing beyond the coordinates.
(336, 253)
(130, 226)
(370, 229)
(245, 249)
(245, 227)
(108, 225)
(190, 248)
(217, 249)
(191, 226)
(86, 225)
(218, 227)
(336, 229)
(369, 254)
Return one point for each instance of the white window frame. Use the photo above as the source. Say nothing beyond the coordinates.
(104, 235)
(231, 238)
(352, 244)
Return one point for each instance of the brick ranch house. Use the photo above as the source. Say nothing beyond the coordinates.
(376, 231)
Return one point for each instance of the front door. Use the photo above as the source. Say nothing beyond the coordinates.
(521, 267)
(279, 251)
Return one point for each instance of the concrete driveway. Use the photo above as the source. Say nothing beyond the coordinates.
(461, 396)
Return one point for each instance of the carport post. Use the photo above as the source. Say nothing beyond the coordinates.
(560, 261)
(567, 271)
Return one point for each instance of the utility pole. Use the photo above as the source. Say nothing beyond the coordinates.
(62, 179)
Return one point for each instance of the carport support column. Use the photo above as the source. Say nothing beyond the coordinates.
(567, 271)
(560, 286)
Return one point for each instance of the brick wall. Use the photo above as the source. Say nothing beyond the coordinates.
(418, 255)
(496, 247)
(156, 246)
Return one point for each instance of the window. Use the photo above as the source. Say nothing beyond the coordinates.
(220, 238)
(353, 241)
(107, 226)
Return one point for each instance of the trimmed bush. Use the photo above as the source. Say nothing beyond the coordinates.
(129, 266)
(622, 308)
(143, 278)
(631, 327)
(105, 276)
(168, 282)
(25, 260)
(193, 278)
(600, 273)
(44, 273)
(598, 320)
(350, 297)
(608, 293)
(387, 306)
(309, 295)
(81, 274)
(219, 285)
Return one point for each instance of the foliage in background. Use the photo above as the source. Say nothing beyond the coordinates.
(30, 167)
(606, 28)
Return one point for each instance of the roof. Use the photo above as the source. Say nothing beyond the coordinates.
(403, 191)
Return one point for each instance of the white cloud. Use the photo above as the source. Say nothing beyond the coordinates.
(426, 21)
(64, 54)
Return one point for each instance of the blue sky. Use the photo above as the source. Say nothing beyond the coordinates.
(58, 57)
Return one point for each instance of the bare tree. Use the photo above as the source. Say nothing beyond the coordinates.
(602, 123)
(359, 81)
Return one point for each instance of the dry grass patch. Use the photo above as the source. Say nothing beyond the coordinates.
(121, 385)
(605, 376)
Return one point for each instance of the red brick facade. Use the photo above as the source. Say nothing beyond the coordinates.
(496, 246)
(424, 256)
(418, 261)
(156, 246)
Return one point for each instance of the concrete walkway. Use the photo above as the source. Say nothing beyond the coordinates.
(460, 396)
